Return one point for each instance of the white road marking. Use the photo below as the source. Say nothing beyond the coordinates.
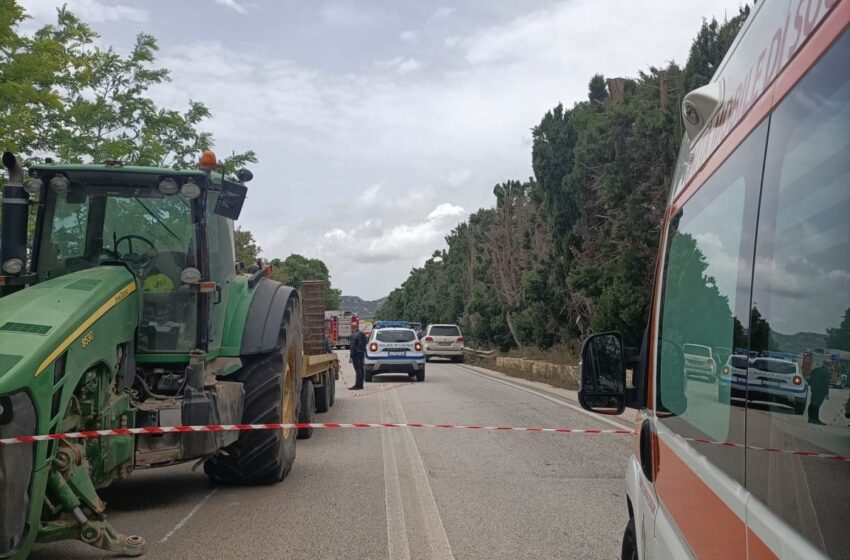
(189, 515)
(600, 417)
(435, 532)
(399, 548)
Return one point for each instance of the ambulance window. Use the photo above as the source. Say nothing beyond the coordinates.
(802, 297)
(705, 301)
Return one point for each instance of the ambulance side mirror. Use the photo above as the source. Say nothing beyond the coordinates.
(603, 374)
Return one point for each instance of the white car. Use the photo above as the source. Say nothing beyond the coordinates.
(699, 361)
(443, 341)
(394, 350)
(776, 380)
(733, 374)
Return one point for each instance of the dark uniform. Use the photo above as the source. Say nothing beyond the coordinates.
(357, 352)
(819, 386)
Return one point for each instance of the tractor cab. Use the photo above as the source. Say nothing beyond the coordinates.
(172, 229)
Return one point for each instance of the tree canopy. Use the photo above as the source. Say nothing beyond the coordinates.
(571, 250)
(69, 98)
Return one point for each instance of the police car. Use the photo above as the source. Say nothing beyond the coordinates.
(394, 348)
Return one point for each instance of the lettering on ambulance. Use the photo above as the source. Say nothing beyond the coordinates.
(763, 50)
(801, 295)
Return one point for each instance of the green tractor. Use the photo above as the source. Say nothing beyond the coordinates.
(124, 307)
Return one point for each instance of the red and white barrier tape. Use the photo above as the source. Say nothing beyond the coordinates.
(247, 427)
(771, 449)
(361, 425)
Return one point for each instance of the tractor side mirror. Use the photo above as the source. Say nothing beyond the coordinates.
(230, 200)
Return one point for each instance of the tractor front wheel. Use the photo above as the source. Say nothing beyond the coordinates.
(272, 389)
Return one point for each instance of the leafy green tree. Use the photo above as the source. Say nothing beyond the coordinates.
(839, 338)
(33, 71)
(598, 89)
(247, 250)
(66, 97)
(295, 269)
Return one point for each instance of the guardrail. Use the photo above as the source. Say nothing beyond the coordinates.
(478, 352)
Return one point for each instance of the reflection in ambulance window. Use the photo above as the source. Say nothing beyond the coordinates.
(801, 292)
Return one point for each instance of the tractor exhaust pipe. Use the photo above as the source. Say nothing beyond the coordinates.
(15, 213)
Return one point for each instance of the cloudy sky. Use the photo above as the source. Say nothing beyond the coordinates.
(380, 125)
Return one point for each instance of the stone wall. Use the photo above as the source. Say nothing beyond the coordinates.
(556, 374)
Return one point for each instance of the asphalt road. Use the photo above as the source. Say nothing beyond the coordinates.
(401, 493)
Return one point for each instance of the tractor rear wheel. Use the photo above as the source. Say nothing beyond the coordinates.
(272, 388)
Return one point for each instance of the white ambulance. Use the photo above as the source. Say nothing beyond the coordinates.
(760, 211)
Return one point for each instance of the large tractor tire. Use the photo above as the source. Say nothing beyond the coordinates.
(308, 409)
(272, 389)
(323, 394)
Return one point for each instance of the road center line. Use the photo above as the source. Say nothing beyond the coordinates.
(189, 515)
(399, 548)
(599, 417)
(435, 532)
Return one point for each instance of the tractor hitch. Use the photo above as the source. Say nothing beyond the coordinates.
(70, 489)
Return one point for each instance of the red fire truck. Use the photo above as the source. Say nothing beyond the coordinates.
(339, 326)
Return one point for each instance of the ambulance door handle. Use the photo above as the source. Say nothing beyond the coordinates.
(647, 433)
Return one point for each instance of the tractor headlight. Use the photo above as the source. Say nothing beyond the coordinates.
(190, 190)
(13, 266)
(59, 184)
(34, 185)
(190, 275)
(168, 186)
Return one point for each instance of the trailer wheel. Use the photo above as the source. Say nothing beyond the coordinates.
(332, 384)
(272, 385)
(308, 409)
(323, 394)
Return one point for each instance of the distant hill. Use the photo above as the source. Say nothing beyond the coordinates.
(798, 342)
(363, 308)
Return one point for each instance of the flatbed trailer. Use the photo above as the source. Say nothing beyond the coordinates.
(320, 367)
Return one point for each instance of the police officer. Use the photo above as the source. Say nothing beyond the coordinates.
(819, 386)
(357, 345)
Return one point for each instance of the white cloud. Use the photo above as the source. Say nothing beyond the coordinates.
(458, 177)
(443, 12)
(233, 5)
(408, 65)
(371, 194)
(339, 14)
(336, 234)
(446, 210)
(400, 65)
(90, 11)
(368, 243)
(408, 35)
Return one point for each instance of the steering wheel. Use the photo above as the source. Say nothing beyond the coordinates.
(139, 260)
